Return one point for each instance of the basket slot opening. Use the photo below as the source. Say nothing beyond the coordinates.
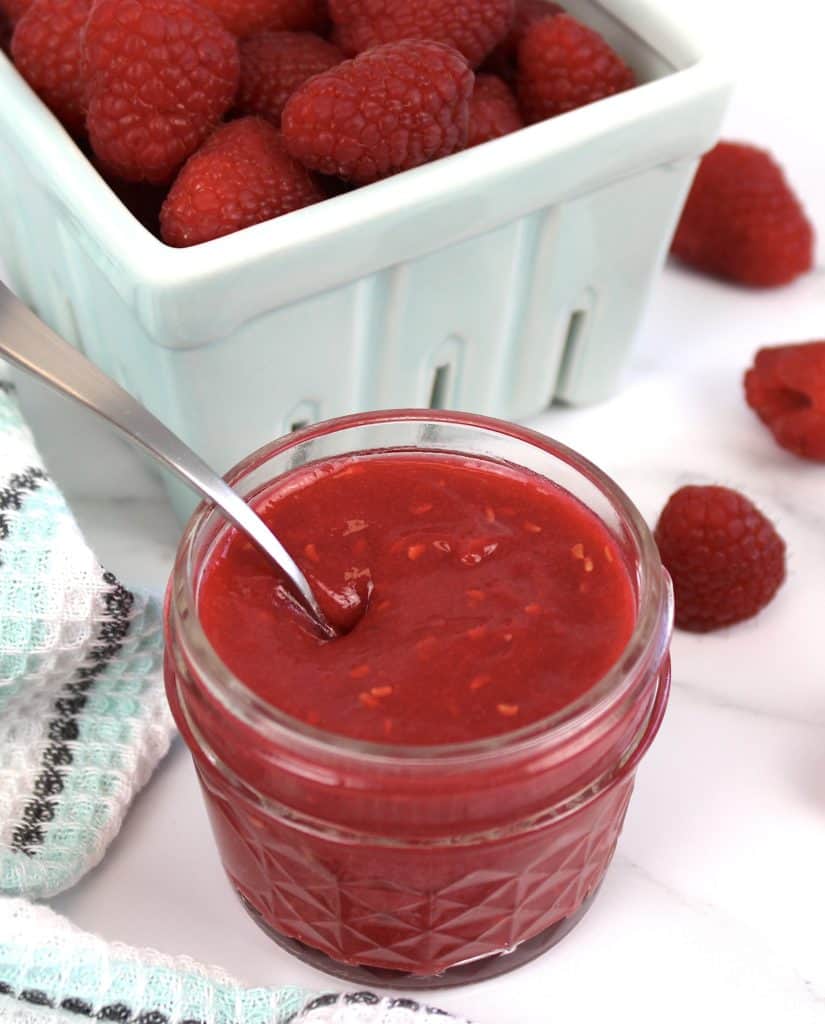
(573, 334)
(301, 415)
(441, 386)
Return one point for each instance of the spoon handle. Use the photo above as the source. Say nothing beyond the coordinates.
(28, 343)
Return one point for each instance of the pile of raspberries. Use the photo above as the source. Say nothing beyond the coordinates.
(226, 113)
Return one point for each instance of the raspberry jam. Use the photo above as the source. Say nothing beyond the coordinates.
(486, 598)
(433, 797)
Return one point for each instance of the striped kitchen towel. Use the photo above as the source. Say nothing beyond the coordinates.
(54, 973)
(83, 718)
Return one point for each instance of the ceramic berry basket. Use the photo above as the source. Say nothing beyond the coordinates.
(492, 281)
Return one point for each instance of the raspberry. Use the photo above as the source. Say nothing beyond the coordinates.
(563, 65)
(274, 64)
(527, 13)
(390, 109)
(493, 111)
(502, 61)
(742, 221)
(162, 73)
(47, 49)
(241, 175)
(5, 33)
(245, 17)
(13, 10)
(473, 27)
(725, 558)
(786, 388)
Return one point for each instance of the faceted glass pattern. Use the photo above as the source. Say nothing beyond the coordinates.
(417, 909)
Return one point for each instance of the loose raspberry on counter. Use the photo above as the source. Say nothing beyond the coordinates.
(241, 175)
(563, 65)
(274, 64)
(390, 109)
(742, 220)
(48, 52)
(162, 74)
(245, 17)
(786, 389)
(494, 111)
(725, 558)
(473, 27)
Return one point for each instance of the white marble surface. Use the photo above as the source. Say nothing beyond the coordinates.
(714, 908)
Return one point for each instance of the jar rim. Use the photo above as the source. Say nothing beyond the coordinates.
(647, 643)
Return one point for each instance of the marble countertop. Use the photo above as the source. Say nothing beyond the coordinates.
(714, 908)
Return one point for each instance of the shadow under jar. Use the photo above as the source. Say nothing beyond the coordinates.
(419, 866)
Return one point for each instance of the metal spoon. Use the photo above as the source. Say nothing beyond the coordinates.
(28, 343)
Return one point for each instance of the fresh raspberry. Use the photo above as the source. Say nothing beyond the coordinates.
(241, 175)
(493, 111)
(13, 10)
(162, 74)
(742, 221)
(725, 558)
(786, 389)
(274, 64)
(245, 17)
(390, 109)
(563, 65)
(47, 49)
(527, 13)
(502, 61)
(5, 33)
(473, 27)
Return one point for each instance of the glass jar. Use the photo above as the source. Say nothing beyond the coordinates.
(419, 866)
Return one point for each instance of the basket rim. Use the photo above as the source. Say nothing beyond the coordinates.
(460, 181)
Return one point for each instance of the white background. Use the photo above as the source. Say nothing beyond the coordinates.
(714, 908)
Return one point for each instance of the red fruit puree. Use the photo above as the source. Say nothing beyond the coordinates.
(486, 598)
(479, 598)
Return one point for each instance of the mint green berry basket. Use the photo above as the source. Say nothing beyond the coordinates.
(496, 280)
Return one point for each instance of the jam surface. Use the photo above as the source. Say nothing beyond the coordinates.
(478, 596)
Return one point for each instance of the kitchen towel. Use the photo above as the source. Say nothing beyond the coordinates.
(56, 974)
(83, 718)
